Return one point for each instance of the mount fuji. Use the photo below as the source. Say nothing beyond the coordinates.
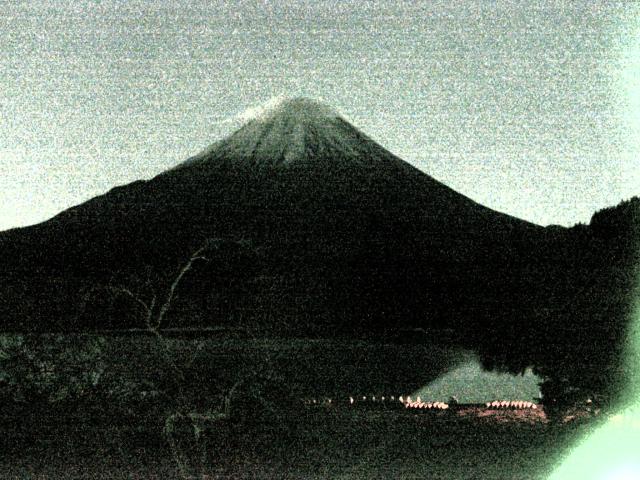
(300, 133)
(316, 231)
(344, 235)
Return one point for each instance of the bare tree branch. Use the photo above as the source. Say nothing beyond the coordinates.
(155, 309)
(125, 291)
(197, 255)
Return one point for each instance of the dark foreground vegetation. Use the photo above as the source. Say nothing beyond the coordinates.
(87, 406)
(308, 443)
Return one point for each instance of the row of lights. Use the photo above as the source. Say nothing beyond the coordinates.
(517, 404)
(352, 400)
(427, 405)
(419, 403)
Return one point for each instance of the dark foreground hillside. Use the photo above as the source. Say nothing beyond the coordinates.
(313, 443)
(87, 406)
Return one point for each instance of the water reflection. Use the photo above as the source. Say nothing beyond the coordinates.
(469, 383)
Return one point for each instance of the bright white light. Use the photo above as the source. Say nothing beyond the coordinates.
(625, 472)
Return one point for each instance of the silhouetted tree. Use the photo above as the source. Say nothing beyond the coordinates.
(572, 322)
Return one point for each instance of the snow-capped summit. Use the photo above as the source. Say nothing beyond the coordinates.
(294, 131)
(296, 106)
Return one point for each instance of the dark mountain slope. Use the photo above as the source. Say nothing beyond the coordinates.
(321, 232)
(361, 238)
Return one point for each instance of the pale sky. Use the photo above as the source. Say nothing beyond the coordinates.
(531, 108)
